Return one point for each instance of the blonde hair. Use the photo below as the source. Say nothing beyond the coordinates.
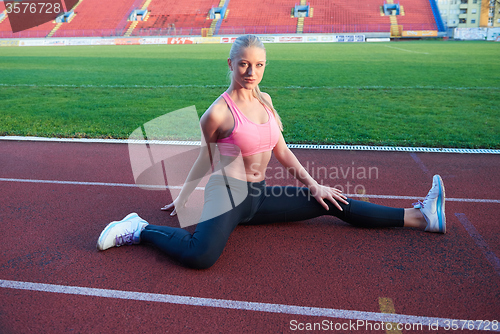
(247, 41)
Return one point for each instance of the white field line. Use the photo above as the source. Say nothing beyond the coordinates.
(360, 317)
(155, 187)
(292, 146)
(266, 87)
(393, 47)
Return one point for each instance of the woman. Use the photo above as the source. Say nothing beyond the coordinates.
(245, 127)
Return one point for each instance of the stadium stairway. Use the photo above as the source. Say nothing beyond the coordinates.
(300, 25)
(58, 25)
(134, 24)
(3, 16)
(53, 31)
(300, 21)
(396, 30)
(209, 32)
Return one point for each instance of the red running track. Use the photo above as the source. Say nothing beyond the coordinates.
(49, 231)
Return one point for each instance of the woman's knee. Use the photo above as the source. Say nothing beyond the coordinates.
(203, 257)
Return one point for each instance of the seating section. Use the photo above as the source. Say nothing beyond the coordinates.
(418, 15)
(98, 18)
(346, 16)
(38, 31)
(176, 17)
(171, 17)
(259, 17)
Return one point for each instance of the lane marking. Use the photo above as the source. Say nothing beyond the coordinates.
(361, 194)
(132, 185)
(292, 146)
(478, 239)
(234, 304)
(387, 306)
(420, 163)
(103, 184)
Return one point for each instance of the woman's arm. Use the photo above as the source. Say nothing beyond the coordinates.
(210, 123)
(295, 168)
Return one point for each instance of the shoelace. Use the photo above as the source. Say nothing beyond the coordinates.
(419, 204)
(125, 239)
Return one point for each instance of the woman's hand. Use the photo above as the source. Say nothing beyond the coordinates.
(320, 193)
(177, 203)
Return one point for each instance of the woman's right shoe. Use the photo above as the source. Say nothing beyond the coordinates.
(124, 232)
(433, 207)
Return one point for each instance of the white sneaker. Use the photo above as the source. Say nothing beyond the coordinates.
(124, 232)
(433, 207)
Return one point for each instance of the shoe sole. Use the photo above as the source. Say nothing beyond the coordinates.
(440, 206)
(108, 227)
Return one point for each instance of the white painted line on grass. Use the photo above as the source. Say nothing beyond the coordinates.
(478, 239)
(292, 146)
(393, 47)
(265, 87)
(359, 316)
(131, 185)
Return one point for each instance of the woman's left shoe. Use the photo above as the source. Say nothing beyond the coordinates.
(433, 207)
(124, 232)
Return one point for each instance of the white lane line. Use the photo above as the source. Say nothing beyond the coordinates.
(359, 316)
(103, 184)
(292, 146)
(478, 239)
(131, 185)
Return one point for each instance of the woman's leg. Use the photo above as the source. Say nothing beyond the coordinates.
(199, 250)
(282, 204)
(286, 204)
(202, 248)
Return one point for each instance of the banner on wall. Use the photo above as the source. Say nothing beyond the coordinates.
(225, 40)
(181, 40)
(79, 41)
(493, 34)
(420, 33)
(267, 39)
(103, 41)
(207, 40)
(290, 39)
(154, 41)
(127, 41)
(55, 42)
(9, 42)
(470, 34)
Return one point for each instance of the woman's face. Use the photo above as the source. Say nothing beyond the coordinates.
(248, 68)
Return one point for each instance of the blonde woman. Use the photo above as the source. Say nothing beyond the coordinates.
(242, 123)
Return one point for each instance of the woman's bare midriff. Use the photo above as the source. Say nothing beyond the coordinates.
(251, 168)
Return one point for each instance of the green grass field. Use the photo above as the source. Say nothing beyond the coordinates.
(418, 93)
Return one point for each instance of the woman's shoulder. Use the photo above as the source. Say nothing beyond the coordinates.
(267, 97)
(218, 111)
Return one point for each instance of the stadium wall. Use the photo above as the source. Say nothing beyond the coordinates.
(340, 38)
(489, 34)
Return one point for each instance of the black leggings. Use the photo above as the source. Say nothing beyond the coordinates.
(262, 205)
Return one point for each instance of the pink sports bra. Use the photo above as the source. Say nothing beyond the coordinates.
(248, 137)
